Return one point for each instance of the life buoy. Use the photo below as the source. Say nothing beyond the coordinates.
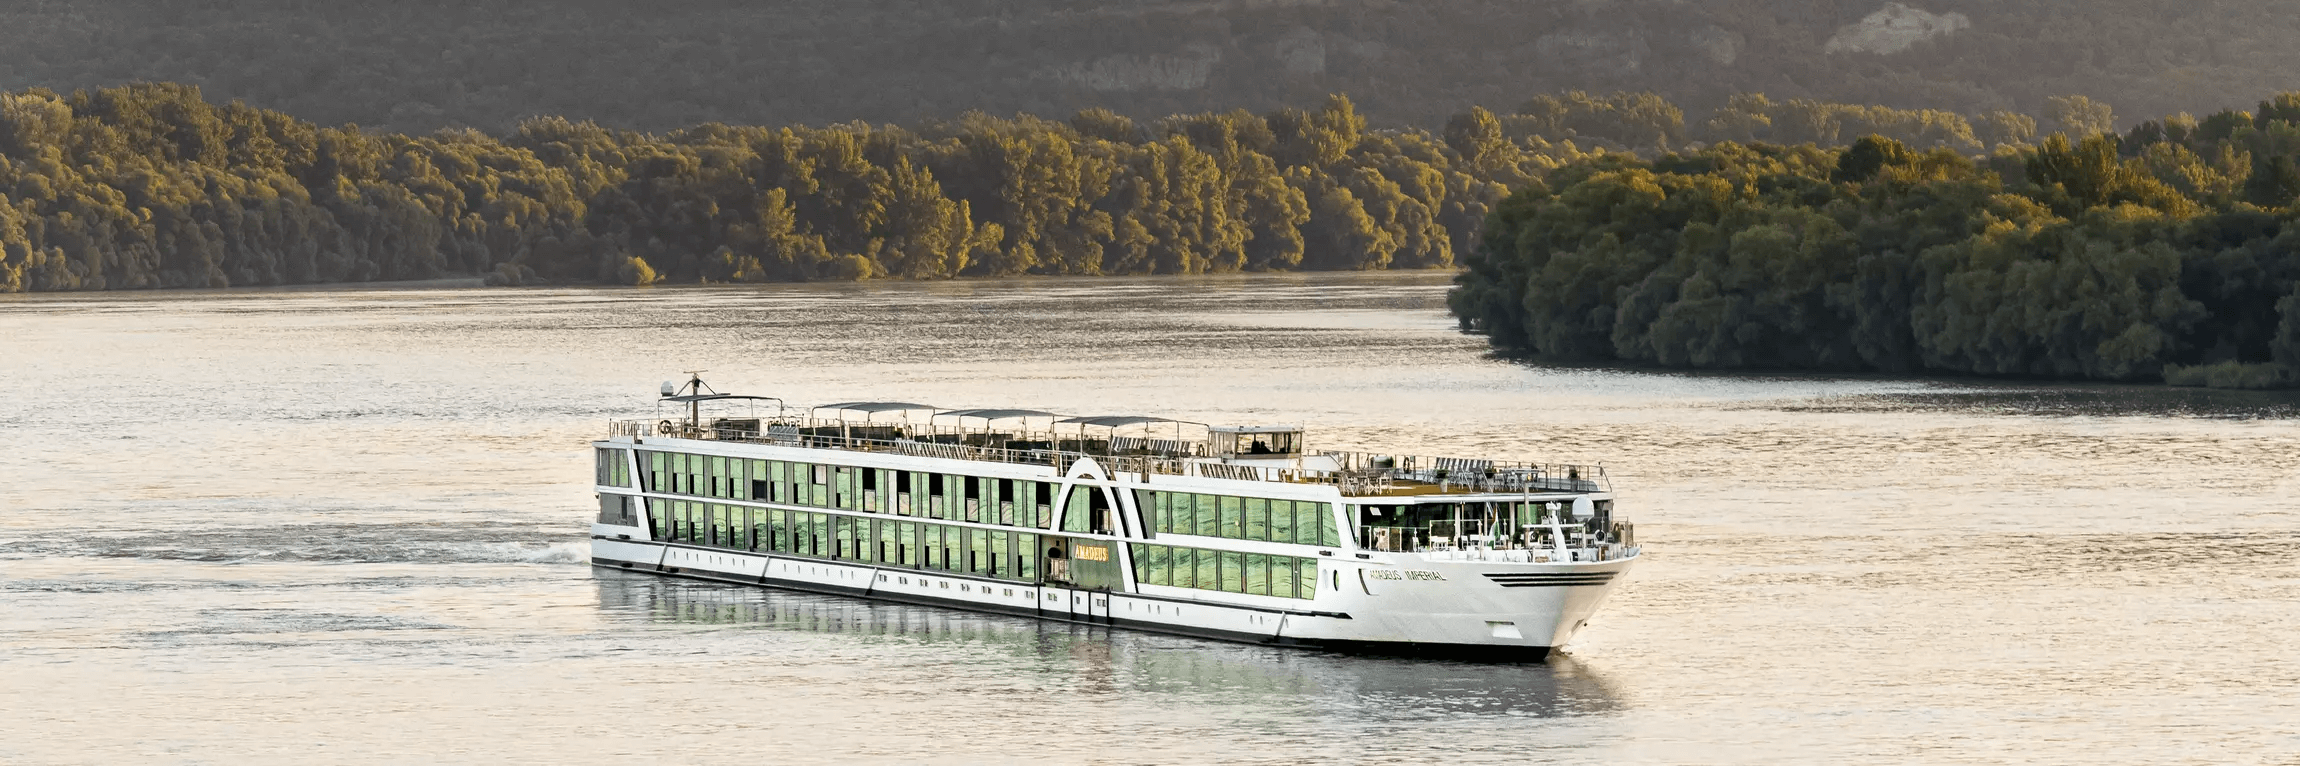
(664, 428)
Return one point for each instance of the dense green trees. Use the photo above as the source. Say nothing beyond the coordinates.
(2171, 251)
(149, 186)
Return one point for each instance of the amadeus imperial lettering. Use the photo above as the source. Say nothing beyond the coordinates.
(1233, 533)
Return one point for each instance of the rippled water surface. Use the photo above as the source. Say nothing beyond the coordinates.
(349, 527)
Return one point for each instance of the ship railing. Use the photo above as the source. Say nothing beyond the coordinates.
(1360, 473)
(1478, 475)
(1585, 554)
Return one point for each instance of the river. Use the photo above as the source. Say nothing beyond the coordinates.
(349, 526)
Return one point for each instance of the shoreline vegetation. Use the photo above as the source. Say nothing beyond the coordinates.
(150, 186)
(1749, 239)
(2170, 252)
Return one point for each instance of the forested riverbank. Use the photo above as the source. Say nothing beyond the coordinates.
(2171, 252)
(150, 186)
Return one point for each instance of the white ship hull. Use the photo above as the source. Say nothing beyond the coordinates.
(1469, 609)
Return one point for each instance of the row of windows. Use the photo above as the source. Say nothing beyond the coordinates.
(1231, 571)
(998, 553)
(1243, 518)
(1005, 502)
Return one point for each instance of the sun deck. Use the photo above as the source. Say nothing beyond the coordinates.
(1355, 474)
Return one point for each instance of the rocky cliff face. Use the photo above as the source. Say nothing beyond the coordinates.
(421, 64)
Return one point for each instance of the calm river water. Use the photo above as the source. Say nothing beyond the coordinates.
(348, 526)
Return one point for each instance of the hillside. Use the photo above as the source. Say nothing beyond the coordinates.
(417, 65)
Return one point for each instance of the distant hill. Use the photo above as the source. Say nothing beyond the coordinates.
(417, 65)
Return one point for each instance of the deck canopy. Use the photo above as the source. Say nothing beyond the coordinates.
(717, 397)
(875, 407)
(995, 414)
(1114, 421)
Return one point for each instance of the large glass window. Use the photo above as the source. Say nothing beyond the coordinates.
(1075, 511)
(1257, 574)
(1233, 571)
(1282, 576)
(1257, 518)
(1026, 556)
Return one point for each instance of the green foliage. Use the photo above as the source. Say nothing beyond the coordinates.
(2172, 252)
(150, 186)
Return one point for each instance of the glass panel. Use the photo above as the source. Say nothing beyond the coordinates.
(1233, 517)
(907, 538)
(1026, 553)
(1233, 571)
(977, 550)
(1162, 511)
(1306, 578)
(954, 549)
(1161, 566)
(1257, 574)
(1141, 556)
(1074, 512)
(1282, 520)
(762, 536)
(1206, 519)
(658, 520)
(1206, 570)
(1001, 555)
(1257, 519)
(1282, 576)
(1306, 523)
(1185, 568)
(1330, 536)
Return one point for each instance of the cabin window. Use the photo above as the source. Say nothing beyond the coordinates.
(1233, 518)
(1282, 521)
(1233, 571)
(1257, 519)
(1074, 512)
(762, 536)
(1282, 575)
(610, 462)
(977, 551)
(954, 549)
(822, 475)
(1258, 574)
(999, 543)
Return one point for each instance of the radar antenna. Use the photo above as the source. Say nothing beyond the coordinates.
(694, 387)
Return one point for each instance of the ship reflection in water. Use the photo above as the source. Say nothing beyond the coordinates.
(1122, 662)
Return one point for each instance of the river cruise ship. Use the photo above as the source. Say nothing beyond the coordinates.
(1234, 533)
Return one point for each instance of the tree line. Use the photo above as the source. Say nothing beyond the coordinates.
(152, 186)
(2170, 251)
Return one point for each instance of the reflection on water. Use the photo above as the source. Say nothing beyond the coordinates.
(349, 526)
(2071, 400)
(1130, 662)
